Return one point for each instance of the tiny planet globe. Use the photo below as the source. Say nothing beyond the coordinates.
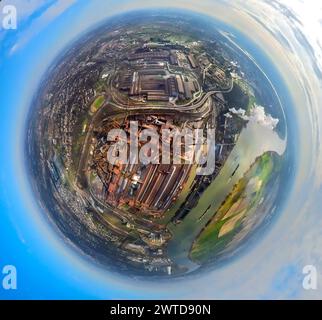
(155, 145)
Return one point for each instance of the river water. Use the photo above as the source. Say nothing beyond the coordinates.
(254, 140)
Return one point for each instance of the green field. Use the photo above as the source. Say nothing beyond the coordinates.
(97, 104)
(245, 87)
(241, 202)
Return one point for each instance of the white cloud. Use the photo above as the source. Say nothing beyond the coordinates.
(257, 115)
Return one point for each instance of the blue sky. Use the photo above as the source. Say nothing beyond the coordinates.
(48, 268)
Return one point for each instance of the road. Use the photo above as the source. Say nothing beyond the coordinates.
(177, 108)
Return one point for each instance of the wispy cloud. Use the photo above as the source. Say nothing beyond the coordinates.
(33, 17)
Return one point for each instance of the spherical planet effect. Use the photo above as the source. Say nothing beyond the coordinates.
(117, 133)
